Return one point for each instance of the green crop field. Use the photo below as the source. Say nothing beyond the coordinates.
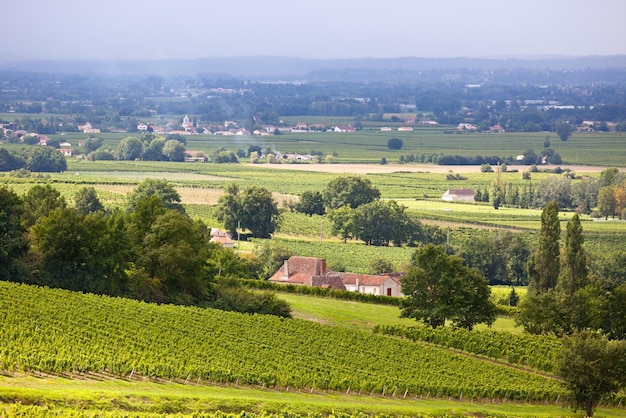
(68, 353)
(370, 144)
(61, 332)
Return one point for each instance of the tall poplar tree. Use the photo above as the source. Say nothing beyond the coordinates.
(574, 272)
(544, 265)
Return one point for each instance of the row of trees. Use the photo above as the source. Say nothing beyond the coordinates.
(150, 251)
(564, 298)
(39, 159)
(354, 208)
(606, 193)
(563, 295)
(151, 147)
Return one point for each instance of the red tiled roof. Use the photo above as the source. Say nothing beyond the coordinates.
(299, 269)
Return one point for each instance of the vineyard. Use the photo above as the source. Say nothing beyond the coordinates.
(527, 350)
(352, 256)
(65, 333)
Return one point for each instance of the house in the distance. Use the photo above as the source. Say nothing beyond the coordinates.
(221, 237)
(459, 195)
(88, 129)
(311, 271)
(373, 284)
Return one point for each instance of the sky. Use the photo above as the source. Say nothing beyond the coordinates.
(163, 29)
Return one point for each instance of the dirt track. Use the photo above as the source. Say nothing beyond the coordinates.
(424, 168)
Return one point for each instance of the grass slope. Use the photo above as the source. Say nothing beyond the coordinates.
(362, 315)
(23, 396)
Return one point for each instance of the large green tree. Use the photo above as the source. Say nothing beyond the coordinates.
(46, 159)
(342, 222)
(311, 203)
(155, 187)
(439, 287)
(92, 144)
(544, 264)
(607, 205)
(574, 273)
(175, 252)
(592, 368)
(564, 130)
(85, 253)
(253, 208)
(352, 191)
(86, 201)
(381, 223)
(10, 161)
(129, 148)
(174, 150)
(39, 201)
(500, 256)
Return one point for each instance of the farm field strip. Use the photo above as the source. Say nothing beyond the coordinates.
(119, 398)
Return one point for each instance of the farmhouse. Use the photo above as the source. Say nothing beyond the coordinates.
(465, 127)
(67, 152)
(311, 271)
(345, 128)
(458, 195)
(88, 128)
(383, 284)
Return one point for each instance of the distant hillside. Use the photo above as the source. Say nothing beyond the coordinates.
(291, 68)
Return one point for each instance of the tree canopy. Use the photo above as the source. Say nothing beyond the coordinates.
(395, 144)
(564, 130)
(253, 208)
(544, 264)
(86, 201)
(40, 201)
(592, 368)
(311, 203)
(155, 187)
(438, 287)
(352, 191)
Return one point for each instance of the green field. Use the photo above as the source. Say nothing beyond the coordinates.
(51, 396)
(370, 144)
(367, 316)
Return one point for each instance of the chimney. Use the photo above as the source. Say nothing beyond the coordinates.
(286, 270)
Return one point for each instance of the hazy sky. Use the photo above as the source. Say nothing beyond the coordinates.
(138, 29)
